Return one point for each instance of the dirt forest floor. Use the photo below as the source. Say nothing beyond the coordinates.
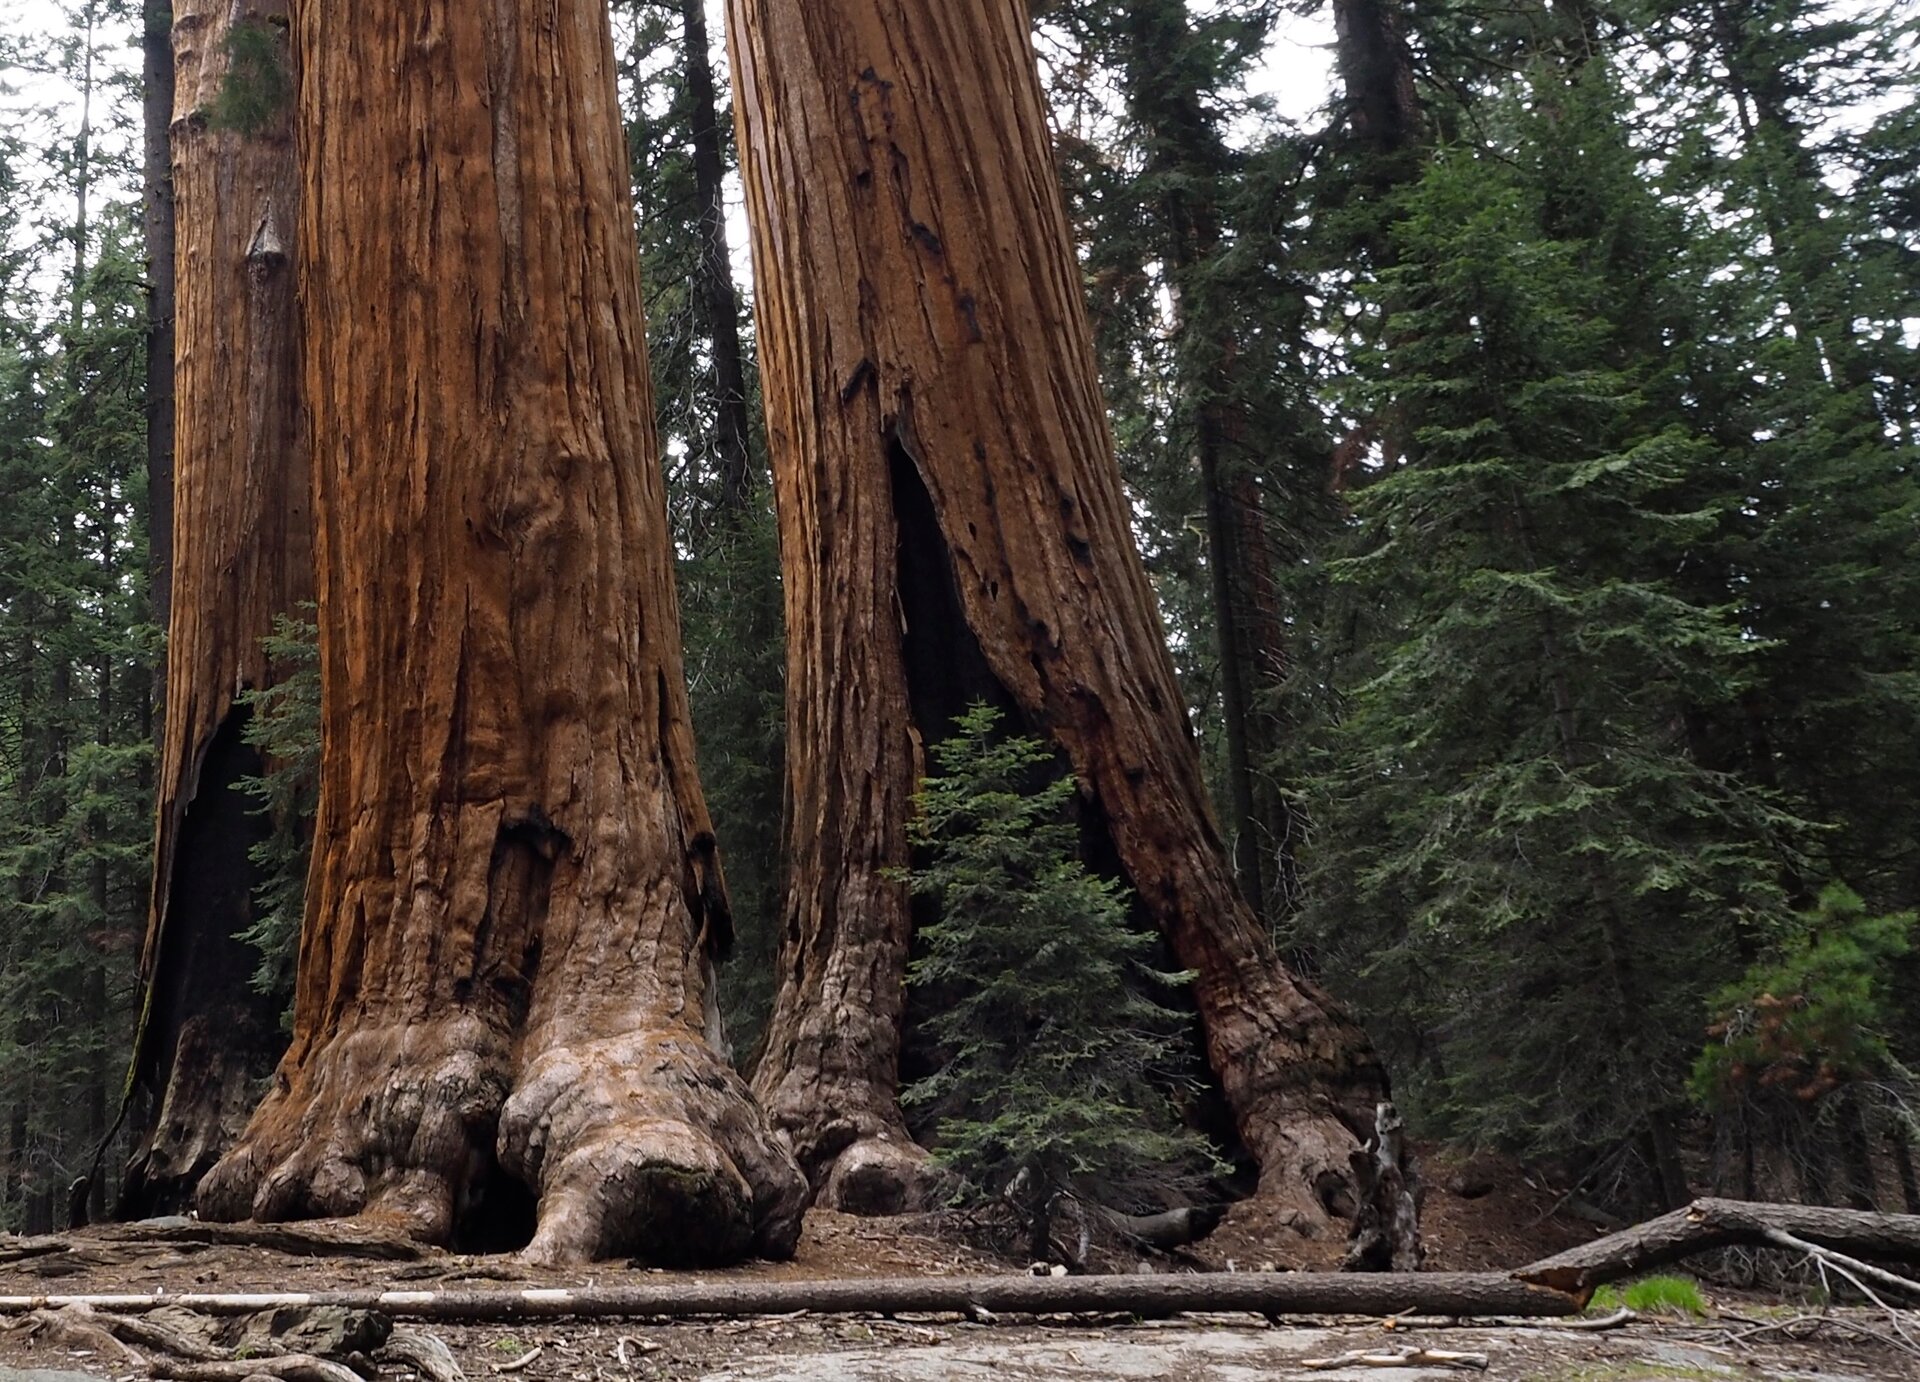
(1746, 1337)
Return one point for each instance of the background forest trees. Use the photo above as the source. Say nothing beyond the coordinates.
(1521, 443)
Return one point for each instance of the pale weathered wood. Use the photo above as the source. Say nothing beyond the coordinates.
(1708, 1224)
(1386, 1224)
(504, 975)
(953, 527)
(1271, 1293)
(1398, 1358)
(241, 554)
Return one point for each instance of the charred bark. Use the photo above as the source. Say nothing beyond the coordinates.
(922, 331)
(504, 982)
(1386, 1225)
(241, 554)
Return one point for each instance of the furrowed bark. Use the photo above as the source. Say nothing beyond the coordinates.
(504, 984)
(241, 554)
(953, 527)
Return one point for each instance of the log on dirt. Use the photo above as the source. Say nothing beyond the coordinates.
(1708, 1224)
(1267, 1293)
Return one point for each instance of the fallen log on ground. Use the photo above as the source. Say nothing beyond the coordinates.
(1708, 1224)
(1267, 1293)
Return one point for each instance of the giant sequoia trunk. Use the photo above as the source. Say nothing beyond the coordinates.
(952, 526)
(241, 554)
(504, 982)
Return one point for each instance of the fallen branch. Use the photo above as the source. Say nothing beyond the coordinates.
(1825, 1261)
(1400, 1358)
(1157, 1297)
(524, 1361)
(1813, 1324)
(1409, 1323)
(1841, 1260)
(1618, 1319)
(1706, 1225)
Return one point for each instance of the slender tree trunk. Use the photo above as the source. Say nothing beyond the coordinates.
(1376, 74)
(504, 984)
(730, 422)
(1186, 157)
(241, 554)
(953, 526)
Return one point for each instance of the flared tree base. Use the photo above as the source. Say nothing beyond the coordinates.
(639, 1145)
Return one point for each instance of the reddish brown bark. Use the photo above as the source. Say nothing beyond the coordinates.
(952, 525)
(504, 977)
(241, 554)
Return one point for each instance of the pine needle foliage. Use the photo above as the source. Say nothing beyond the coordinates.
(1813, 1015)
(258, 85)
(1511, 796)
(1057, 1061)
(285, 727)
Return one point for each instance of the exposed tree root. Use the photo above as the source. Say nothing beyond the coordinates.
(643, 1146)
(388, 1120)
(649, 1146)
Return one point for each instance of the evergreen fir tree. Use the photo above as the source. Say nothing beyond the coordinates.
(1055, 1058)
(1511, 795)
